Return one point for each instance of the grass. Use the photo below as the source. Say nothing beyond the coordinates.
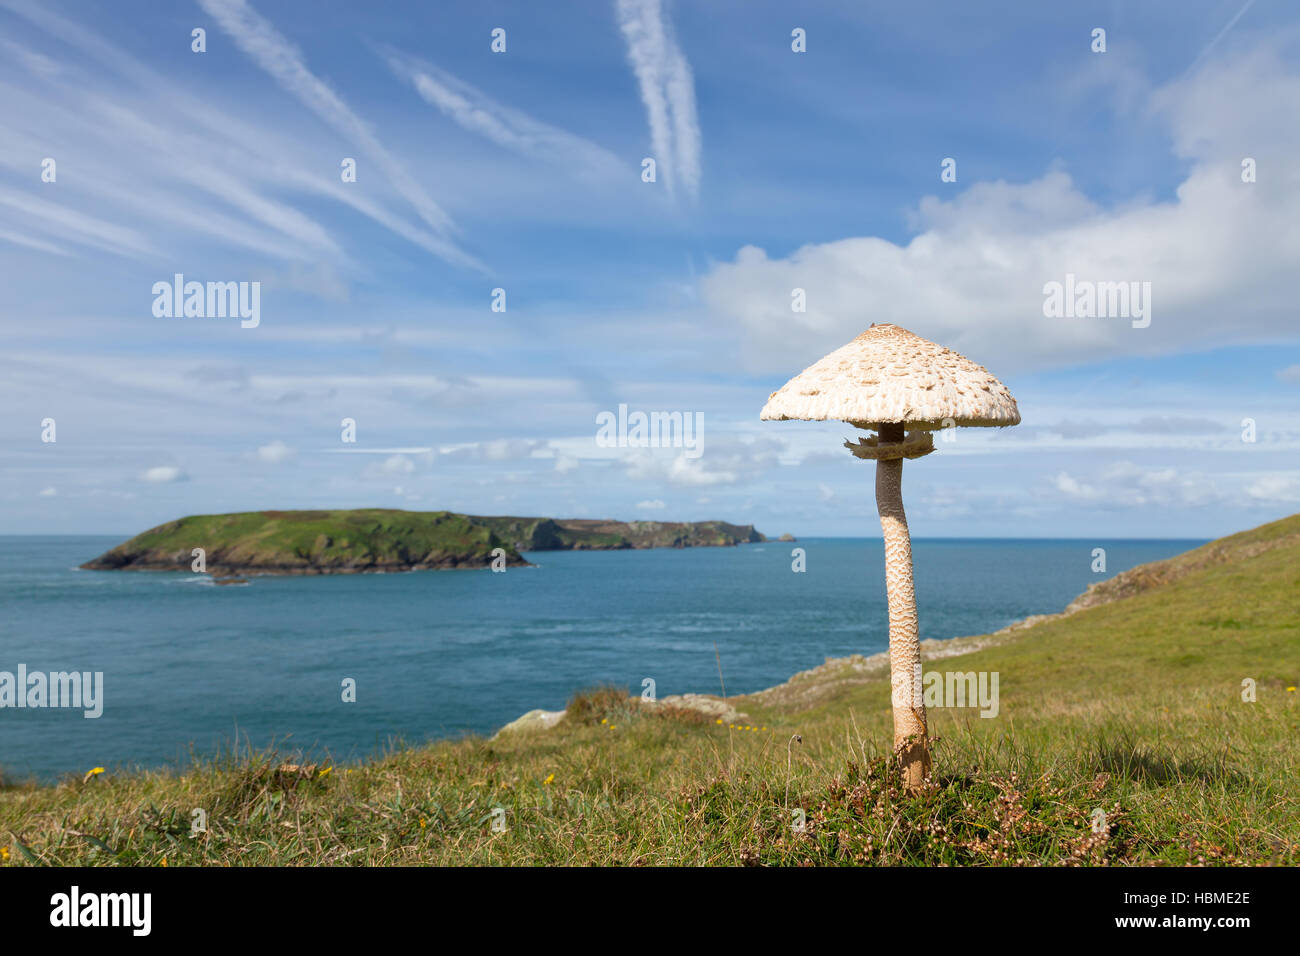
(1122, 738)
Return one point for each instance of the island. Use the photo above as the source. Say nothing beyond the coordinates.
(375, 540)
(583, 534)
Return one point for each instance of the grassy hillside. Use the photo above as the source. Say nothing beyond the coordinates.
(311, 542)
(1132, 708)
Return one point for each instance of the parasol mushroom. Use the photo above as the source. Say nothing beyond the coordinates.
(902, 387)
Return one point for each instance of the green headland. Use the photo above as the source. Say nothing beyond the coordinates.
(372, 540)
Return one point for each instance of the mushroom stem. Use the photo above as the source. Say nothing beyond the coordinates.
(910, 745)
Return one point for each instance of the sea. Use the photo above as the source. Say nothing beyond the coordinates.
(191, 669)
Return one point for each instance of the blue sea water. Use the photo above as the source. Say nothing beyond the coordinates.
(189, 666)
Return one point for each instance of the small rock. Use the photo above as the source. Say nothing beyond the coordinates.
(704, 703)
(533, 720)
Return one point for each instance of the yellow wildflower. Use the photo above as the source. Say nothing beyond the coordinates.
(548, 780)
(92, 772)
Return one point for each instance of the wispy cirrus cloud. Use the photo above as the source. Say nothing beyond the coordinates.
(70, 224)
(94, 112)
(34, 62)
(509, 128)
(31, 242)
(105, 140)
(284, 62)
(667, 90)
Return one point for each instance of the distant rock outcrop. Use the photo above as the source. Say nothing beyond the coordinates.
(583, 534)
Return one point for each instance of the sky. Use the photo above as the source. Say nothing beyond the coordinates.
(502, 269)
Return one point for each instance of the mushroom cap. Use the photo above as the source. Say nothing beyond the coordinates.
(887, 374)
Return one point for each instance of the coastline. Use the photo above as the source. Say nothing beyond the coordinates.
(805, 687)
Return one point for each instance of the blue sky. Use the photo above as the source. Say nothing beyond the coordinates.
(521, 170)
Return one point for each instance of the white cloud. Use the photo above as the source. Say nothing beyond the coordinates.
(31, 243)
(49, 492)
(973, 277)
(1126, 485)
(503, 449)
(677, 470)
(667, 90)
(653, 505)
(72, 225)
(725, 461)
(176, 175)
(1073, 488)
(36, 63)
(275, 452)
(163, 474)
(499, 449)
(255, 35)
(1290, 374)
(1283, 489)
(393, 465)
(951, 503)
(512, 129)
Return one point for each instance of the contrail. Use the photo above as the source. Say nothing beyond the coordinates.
(1210, 46)
(667, 90)
(255, 35)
